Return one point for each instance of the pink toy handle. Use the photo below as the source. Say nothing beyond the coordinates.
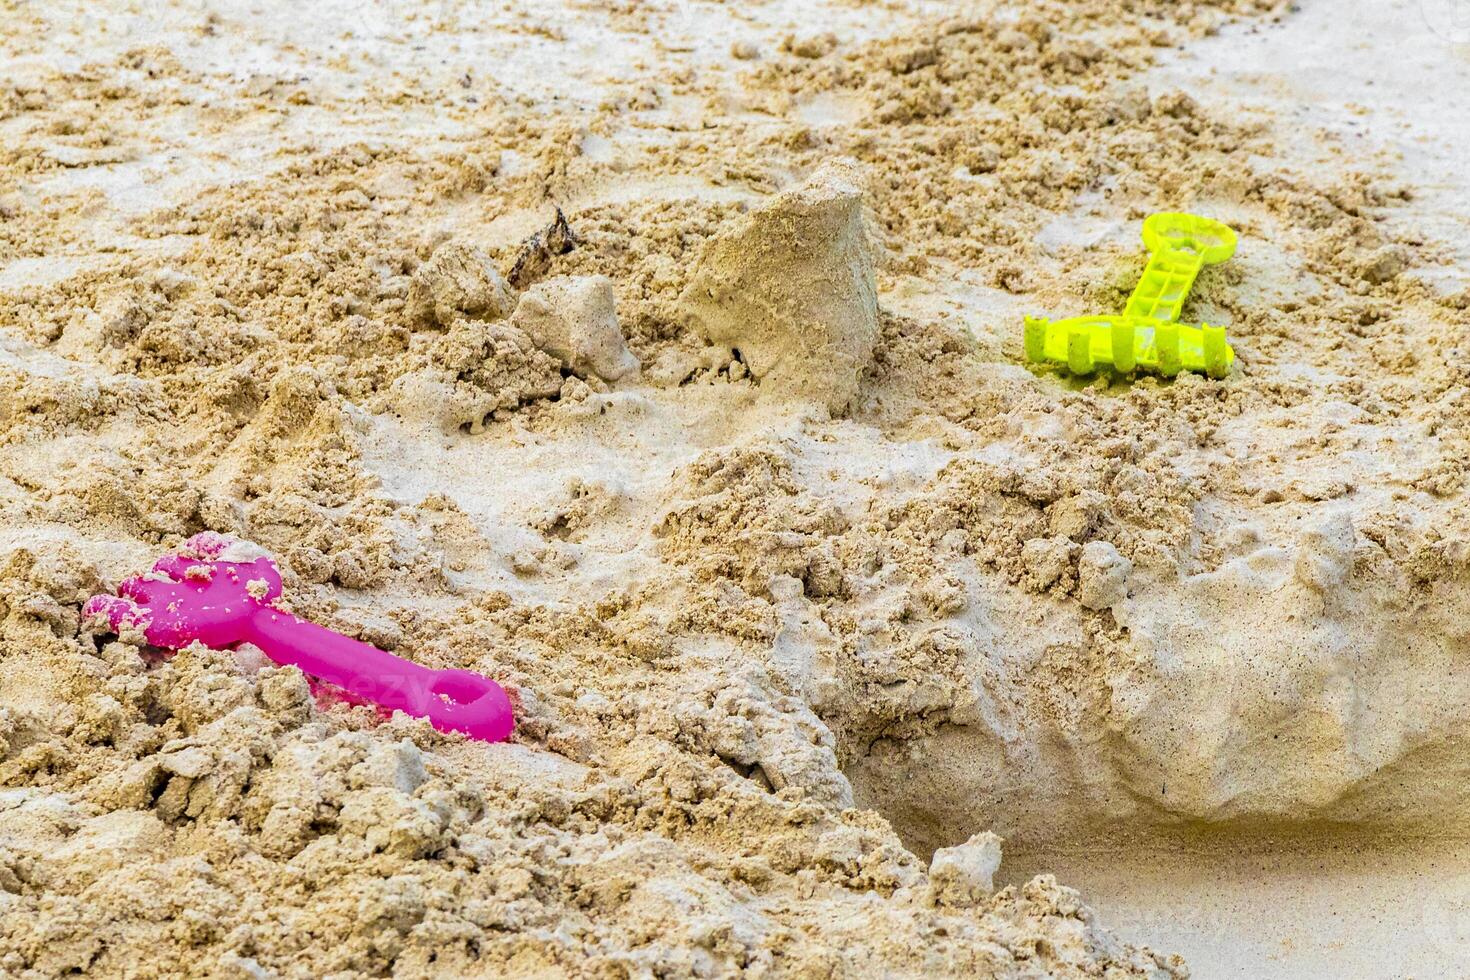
(453, 700)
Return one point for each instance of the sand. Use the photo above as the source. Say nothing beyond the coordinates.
(664, 363)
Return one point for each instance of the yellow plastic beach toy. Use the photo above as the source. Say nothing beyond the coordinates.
(1147, 336)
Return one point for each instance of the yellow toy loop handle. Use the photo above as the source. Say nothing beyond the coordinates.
(1172, 231)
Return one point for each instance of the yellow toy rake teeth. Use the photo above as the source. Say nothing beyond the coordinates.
(1147, 336)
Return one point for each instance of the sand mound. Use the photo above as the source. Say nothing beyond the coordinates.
(206, 814)
(790, 287)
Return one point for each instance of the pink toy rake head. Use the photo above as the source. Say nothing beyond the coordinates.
(193, 595)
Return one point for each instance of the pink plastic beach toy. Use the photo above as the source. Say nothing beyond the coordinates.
(221, 592)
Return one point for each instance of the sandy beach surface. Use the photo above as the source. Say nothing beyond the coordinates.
(663, 361)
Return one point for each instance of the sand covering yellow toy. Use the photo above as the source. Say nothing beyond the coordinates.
(1147, 336)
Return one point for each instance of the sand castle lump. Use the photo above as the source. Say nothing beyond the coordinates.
(790, 286)
(574, 319)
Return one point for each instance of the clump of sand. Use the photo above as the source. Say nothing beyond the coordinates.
(458, 279)
(575, 319)
(790, 287)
